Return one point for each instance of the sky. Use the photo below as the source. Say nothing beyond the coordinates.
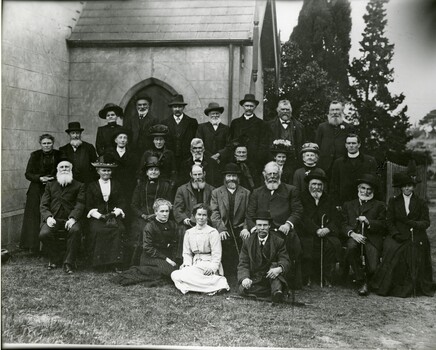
(409, 28)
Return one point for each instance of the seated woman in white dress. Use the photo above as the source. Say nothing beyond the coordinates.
(201, 270)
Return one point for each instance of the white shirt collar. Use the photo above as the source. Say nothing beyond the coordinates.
(262, 240)
(181, 117)
(355, 155)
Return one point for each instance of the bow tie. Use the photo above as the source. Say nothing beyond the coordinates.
(286, 122)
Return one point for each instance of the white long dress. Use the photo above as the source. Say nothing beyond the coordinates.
(201, 250)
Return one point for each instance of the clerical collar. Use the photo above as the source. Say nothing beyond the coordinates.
(355, 155)
(248, 117)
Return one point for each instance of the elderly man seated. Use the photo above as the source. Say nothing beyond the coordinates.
(62, 206)
(263, 262)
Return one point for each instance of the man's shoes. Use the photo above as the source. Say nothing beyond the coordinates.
(68, 269)
(363, 291)
(51, 266)
(277, 297)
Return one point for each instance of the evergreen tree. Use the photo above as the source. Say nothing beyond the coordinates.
(383, 121)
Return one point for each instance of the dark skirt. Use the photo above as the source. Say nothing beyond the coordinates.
(106, 243)
(32, 219)
(404, 268)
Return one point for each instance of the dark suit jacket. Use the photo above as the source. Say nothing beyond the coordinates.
(83, 171)
(212, 168)
(297, 129)
(375, 212)
(331, 142)
(399, 224)
(104, 139)
(284, 205)
(214, 141)
(250, 262)
(345, 172)
(220, 208)
(141, 139)
(56, 198)
(257, 132)
(180, 142)
(94, 198)
(125, 172)
(185, 200)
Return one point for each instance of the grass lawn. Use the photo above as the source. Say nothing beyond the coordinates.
(40, 306)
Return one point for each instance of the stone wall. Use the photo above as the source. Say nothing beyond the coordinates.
(35, 72)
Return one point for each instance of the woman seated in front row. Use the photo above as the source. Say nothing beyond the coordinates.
(201, 270)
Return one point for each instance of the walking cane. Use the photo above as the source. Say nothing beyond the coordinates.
(322, 249)
(413, 264)
(362, 253)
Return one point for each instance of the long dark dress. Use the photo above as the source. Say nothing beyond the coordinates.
(403, 261)
(39, 164)
(106, 242)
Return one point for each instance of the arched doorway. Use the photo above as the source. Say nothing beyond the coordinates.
(160, 92)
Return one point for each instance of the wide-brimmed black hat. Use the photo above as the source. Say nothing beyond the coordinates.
(310, 147)
(74, 126)
(368, 179)
(262, 215)
(105, 161)
(150, 162)
(144, 97)
(158, 130)
(316, 173)
(281, 146)
(119, 131)
(403, 179)
(213, 106)
(249, 98)
(231, 168)
(110, 107)
(177, 100)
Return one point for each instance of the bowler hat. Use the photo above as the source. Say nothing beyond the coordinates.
(213, 106)
(231, 168)
(74, 126)
(150, 162)
(368, 179)
(144, 97)
(119, 131)
(310, 147)
(111, 107)
(158, 130)
(177, 100)
(249, 98)
(281, 146)
(316, 173)
(105, 161)
(262, 215)
(403, 179)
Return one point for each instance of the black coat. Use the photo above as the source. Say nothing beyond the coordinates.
(105, 139)
(297, 135)
(83, 171)
(212, 168)
(141, 139)
(215, 141)
(167, 164)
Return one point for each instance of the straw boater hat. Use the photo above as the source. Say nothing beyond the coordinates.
(403, 179)
(158, 130)
(105, 161)
(110, 107)
(74, 126)
(281, 146)
(144, 97)
(213, 106)
(231, 168)
(249, 98)
(368, 179)
(177, 100)
(262, 215)
(316, 173)
(310, 147)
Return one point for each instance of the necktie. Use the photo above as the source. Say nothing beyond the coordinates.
(177, 120)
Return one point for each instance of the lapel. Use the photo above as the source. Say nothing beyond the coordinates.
(238, 199)
(224, 198)
(367, 206)
(412, 205)
(401, 205)
(183, 124)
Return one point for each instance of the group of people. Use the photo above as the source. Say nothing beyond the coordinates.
(201, 204)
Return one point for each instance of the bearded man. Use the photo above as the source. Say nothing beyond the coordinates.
(364, 223)
(229, 205)
(62, 206)
(80, 153)
(283, 203)
(331, 135)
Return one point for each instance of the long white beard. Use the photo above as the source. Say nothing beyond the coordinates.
(76, 143)
(272, 186)
(365, 198)
(316, 194)
(64, 179)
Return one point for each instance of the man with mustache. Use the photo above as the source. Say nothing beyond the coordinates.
(229, 205)
(62, 206)
(330, 137)
(187, 196)
(284, 204)
(139, 125)
(80, 153)
(367, 214)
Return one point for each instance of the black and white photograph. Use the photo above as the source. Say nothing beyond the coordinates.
(218, 174)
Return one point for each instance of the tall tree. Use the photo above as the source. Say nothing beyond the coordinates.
(383, 121)
(323, 35)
